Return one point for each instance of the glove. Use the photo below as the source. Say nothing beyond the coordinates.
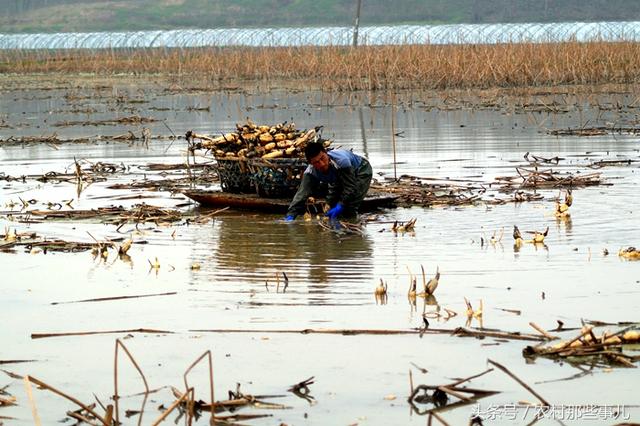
(289, 218)
(335, 212)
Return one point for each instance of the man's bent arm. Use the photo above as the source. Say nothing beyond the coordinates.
(305, 190)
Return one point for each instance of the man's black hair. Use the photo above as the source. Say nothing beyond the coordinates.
(312, 149)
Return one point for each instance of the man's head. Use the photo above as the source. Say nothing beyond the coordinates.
(317, 156)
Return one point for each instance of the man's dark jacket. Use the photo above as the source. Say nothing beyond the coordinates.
(347, 181)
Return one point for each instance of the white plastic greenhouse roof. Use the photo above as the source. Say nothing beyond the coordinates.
(330, 36)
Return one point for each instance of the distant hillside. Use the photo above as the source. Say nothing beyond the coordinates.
(118, 15)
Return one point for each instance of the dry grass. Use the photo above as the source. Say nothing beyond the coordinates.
(368, 68)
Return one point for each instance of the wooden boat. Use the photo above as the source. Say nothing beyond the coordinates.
(254, 202)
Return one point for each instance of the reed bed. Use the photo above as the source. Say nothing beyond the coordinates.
(361, 68)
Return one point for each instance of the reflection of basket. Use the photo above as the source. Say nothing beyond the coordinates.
(277, 177)
(234, 175)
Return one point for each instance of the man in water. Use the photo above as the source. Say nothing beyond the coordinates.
(341, 175)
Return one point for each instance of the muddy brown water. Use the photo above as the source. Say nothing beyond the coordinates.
(361, 379)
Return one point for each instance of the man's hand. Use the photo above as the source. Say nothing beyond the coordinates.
(335, 212)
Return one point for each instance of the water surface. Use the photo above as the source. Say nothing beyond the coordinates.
(331, 276)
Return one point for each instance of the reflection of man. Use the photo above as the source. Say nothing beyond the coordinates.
(341, 175)
(238, 257)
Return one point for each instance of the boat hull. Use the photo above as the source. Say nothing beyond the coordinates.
(219, 199)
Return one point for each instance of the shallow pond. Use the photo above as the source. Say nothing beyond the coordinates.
(234, 305)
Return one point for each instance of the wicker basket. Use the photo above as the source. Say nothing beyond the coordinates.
(277, 177)
(235, 176)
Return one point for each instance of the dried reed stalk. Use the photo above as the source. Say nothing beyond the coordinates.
(364, 68)
(32, 402)
(90, 333)
(81, 419)
(103, 299)
(172, 407)
(523, 384)
(459, 331)
(437, 417)
(186, 385)
(115, 382)
(542, 331)
(68, 397)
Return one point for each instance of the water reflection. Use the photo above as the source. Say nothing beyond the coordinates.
(254, 248)
(381, 299)
(434, 307)
(564, 221)
(517, 245)
(380, 293)
(540, 246)
(430, 300)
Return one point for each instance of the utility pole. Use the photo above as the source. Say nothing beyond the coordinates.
(356, 25)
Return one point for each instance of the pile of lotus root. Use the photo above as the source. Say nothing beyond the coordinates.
(258, 141)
